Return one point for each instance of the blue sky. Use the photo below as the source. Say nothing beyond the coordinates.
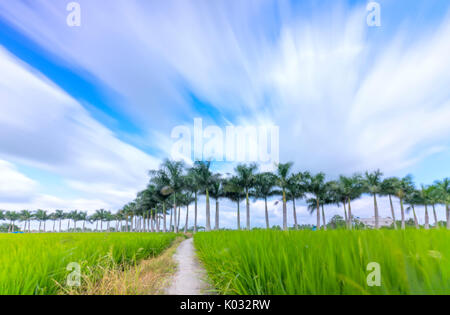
(86, 111)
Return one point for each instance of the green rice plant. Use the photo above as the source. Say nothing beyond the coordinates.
(326, 262)
(36, 263)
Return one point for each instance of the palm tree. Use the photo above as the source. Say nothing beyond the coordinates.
(282, 172)
(424, 196)
(192, 186)
(296, 188)
(59, 215)
(351, 189)
(83, 216)
(388, 187)
(246, 175)
(234, 191)
(443, 188)
(216, 192)
(205, 178)
(434, 198)
(172, 173)
(264, 187)
(12, 217)
(41, 216)
(413, 199)
(372, 183)
(74, 216)
(316, 186)
(404, 188)
(26, 217)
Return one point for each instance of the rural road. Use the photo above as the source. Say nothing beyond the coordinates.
(190, 275)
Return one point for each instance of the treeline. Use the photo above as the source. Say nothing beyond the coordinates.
(174, 185)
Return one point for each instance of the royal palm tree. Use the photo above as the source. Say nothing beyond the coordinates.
(205, 178)
(216, 192)
(372, 184)
(192, 186)
(404, 188)
(283, 172)
(172, 172)
(12, 216)
(388, 188)
(264, 187)
(41, 216)
(316, 186)
(425, 199)
(296, 189)
(351, 189)
(413, 199)
(59, 215)
(433, 194)
(26, 217)
(443, 188)
(246, 175)
(234, 191)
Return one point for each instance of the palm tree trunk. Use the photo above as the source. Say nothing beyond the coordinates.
(284, 211)
(416, 223)
(427, 219)
(195, 213)
(187, 219)
(175, 213)
(323, 219)
(447, 213)
(402, 213)
(54, 223)
(179, 218)
(345, 214)
(238, 214)
(247, 205)
(350, 218)
(60, 225)
(164, 217)
(392, 212)
(294, 213)
(216, 227)
(318, 213)
(39, 231)
(436, 223)
(157, 222)
(29, 226)
(170, 221)
(375, 206)
(208, 214)
(267, 213)
(84, 226)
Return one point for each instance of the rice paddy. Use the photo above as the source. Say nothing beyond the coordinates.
(37, 263)
(327, 262)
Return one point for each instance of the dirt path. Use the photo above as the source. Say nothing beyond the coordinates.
(190, 275)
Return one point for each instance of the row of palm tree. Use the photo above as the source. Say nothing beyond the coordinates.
(174, 186)
(58, 216)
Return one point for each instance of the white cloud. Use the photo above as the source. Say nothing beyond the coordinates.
(42, 127)
(14, 186)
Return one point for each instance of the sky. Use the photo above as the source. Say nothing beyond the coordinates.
(86, 111)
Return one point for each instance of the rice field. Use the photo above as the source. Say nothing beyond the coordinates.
(37, 263)
(327, 262)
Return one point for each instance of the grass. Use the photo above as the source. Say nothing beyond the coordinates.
(326, 262)
(36, 263)
(149, 277)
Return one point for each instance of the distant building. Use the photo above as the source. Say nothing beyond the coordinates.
(370, 222)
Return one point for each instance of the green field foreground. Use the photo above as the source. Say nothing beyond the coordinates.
(326, 262)
(35, 263)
